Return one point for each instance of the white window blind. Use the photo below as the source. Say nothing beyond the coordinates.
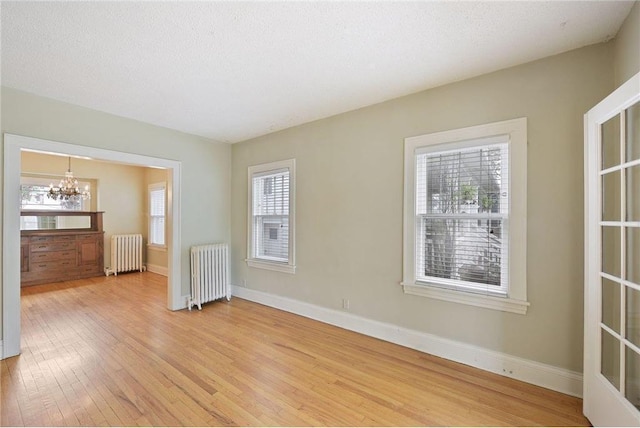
(462, 217)
(271, 215)
(157, 214)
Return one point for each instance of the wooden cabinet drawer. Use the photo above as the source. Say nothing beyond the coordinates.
(36, 239)
(57, 266)
(84, 238)
(43, 275)
(47, 256)
(64, 238)
(53, 246)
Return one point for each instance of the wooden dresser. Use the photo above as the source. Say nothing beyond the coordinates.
(54, 255)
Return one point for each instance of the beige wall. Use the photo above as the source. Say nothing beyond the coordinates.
(205, 163)
(627, 47)
(349, 205)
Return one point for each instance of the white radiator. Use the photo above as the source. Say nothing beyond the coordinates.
(209, 274)
(126, 254)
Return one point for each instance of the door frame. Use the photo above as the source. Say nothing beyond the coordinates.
(598, 393)
(13, 145)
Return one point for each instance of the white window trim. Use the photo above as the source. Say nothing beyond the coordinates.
(260, 263)
(157, 186)
(516, 300)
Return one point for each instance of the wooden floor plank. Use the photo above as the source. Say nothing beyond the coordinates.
(10, 409)
(106, 352)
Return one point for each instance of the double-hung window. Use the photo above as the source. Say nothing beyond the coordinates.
(271, 217)
(157, 207)
(465, 216)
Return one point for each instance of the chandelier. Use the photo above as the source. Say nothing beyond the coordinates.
(68, 189)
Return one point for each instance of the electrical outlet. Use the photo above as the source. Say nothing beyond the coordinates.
(244, 282)
(345, 304)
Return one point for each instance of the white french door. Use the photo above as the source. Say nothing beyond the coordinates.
(612, 258)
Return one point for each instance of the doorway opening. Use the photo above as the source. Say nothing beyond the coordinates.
(13, 146)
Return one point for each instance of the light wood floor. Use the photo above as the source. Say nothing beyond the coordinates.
(106, 352)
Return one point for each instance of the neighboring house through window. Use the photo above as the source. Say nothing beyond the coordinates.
(465, 216)
(271, 216)
(157, 204)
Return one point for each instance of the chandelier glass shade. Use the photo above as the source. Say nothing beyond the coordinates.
(68, 189)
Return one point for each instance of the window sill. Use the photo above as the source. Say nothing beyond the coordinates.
(156, 247)
(278, 267)
(482, 301)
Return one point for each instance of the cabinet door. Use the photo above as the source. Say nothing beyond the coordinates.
(88, 252)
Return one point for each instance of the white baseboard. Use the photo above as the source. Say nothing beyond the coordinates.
(161, 270)
(544, 375)
(1, 351)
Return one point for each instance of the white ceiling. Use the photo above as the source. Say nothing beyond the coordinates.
(230, 71)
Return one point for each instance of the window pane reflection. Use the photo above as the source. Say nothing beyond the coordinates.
(611, 142)
(611, 304)
(610, 363)
(611, 250)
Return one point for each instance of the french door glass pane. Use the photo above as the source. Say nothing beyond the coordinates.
(611, 142)
(610, 353)
(633, 255)
(611, 196)
(611, 250)
(632, 330)
(632, 377)
(632, 262)
(611, 304)
(633, 316)
(633, 132)
(633, 192)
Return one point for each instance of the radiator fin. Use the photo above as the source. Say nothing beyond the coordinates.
(209, 274)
